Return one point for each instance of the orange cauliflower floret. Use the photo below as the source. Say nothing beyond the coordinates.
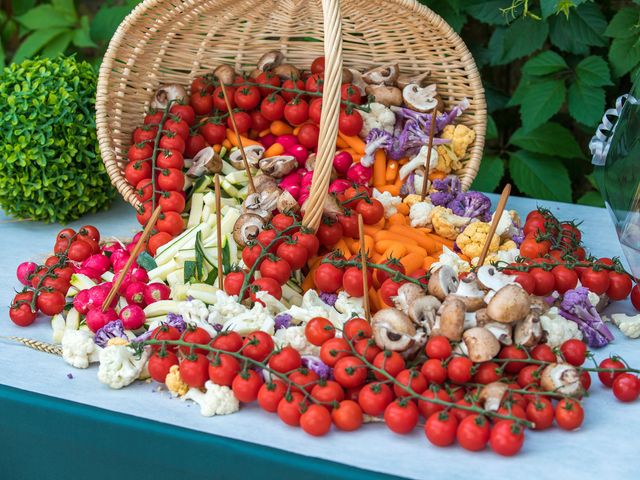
(461, 137)
(473, 238)
(446, 223)
(174, 382)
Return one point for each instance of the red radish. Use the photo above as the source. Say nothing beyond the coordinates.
(132, 317)
(268, 140)
(287, 141)
(359, 174)
(306, 179)
(299, 152)
(89, 272)
(135, 294)
(136, 237)
(156, 292)
(339, 185)
(96, 318)
(111, 247)
(97, 296)
(99, 263)
(342, 161)
(139, 274)
(119, 259)
(81, 302)
(24, 271)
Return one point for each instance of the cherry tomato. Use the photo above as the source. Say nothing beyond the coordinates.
(308, 135)
(390, 362)
(165, 332)
(544, 353)
(411, 379)
(317, 66)
(318, 330)
(459, 369)
(367, 348)
(315, 110)
(540, 412)
(529, 375)
(228, 341)
(506, 438)
(170, 159)
(328, 278)
(270, 395)
(290, 408)
(441, 428)
(257, 345)
(308, 241)
(304, 377)
(296, 111)
(569, 414)
(574, 351)
(201, 102)
(350, 122)
(607, 378)
(352, 281)
(160, 363)
(246, 386)
(176, 125)
(316, 420)
(327, 391)
(285, 360)
(534, 226)
(22, 315)
(333, 350)
(350, 93)
(154, 117)
(170, 179)
(258, 121)
(170, 222)
(269, 285)
(438, 346)
(233, 281)
(247, 97)
(315, 83)
(626, 387)
(565, 278)
(585, 380)
(530, 248)
(393, 264)
(473, 433)
(172, 202)
(266, 237)
(545, 281)
(434, 371)
(79, 251)
(196, 335)
(144, 190)
(349, 223)
(350, 372)
(388, 290)
(513, 352)
(596, 281)
(635, 297)
(145, 133)
(619, 286)
(223, 369)
(272, 107)
(374, 398)
(139, 152)
(371, 210)
(137, 171)
(213, 131)
(218, 98)
(356, 329)
(401, 416)
(250, 254)
(194, 370)
(486, 373)
(275, 268)
(243, 122)
(172, 141)
(347, 416)
(294, 254)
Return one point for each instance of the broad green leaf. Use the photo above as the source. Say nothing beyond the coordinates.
(35, 42)
(541, 101)
(2, 55)
(522, 37)
(490, 11)
(496, 45)
(624, 24)
(584, 27)
(492, 129)
(591, 198)
(496, 100)
(66, 7)
(490, 173)
(22, 6)
(448, 10)
(586, 103)
(593, 71)
(540, 176)
(81, 37)
(106, 21)
(550, 139)
(544, 63)
(624, 54)
(44, 17)
(57, 45)
(548, 8)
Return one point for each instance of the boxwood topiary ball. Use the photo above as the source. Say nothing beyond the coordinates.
(50, 166)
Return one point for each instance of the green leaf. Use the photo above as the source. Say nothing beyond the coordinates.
(2, 55)
(58, 44)
(550, 139)
(593, 71)
(591, 198)
(624, 54)
(548, 8)
(521, 38)
(44, 17)
(489, 11)
(492, 129)
(540, 176)
(545, 63)
(624, 24)
(22, 6)
(586, 103)
(35, 42)
(449, 11)
(584, 27)
(81, 36)
(106, 21)
(146, 261)
(541, 101)
(490, 173)
(66, 7)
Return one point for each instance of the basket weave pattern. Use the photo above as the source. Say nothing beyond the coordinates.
(173, 41)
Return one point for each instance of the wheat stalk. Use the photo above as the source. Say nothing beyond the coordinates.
(37, 345)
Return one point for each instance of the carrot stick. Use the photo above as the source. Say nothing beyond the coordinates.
(403, 208)
(388, 235)
(217, 148)
(397, 250)
(397, 219)
(227, 144)
(308, 283)
(340, 143)
(412, 262)
(371, 230)
(264, 132)
(392, 171)
(392, 189)
(231, 136)
(403, 161)
(354, 142)
(274, 150)
(280, 128)
(435, 175)
(441, 240)
(379, 168)
(423, 240)
(427, 262)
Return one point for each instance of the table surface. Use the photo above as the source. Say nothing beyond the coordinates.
(602, 447)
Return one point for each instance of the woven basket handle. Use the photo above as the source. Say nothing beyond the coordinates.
(330, 113)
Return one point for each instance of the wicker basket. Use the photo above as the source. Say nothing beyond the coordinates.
(173, 41)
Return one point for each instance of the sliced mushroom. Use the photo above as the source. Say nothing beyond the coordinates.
(492, 394)
(205, 161)
(423, 311)
(347, 76)
(264, 183)
(561, 378)
(510, 304)
(247, 228)
(383, 75)
(528, 332)
(166, 94)
(502, 331)
(392, 330)
(421, 99)
(356, 80)
(262, 203)
(442, 282)
(481, 344)
(388, 96)
(539, 304)
(311, 162)
(470, 293)
(270, 60)
(420, 79)
(278, 166)
(253, 152)
(450, 321)
(225, 74)
(408, 293)
(286, 71)
(493, 279)
(286, 203)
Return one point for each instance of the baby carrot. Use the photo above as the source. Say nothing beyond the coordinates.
(427, 262)
(422, 240)
(388, 235)
(227, 144)
(392, 189)
(274, 150)
(231, 136)
(217, 147)
(264, 132)
(354, 142)
(412, 262)
(280, 128)
(379, 168)
(397, 250)
(435, 175)
(340, 143)
(391, 172)
(397, 219)
(374, 300)
(342, 247)
(403, 208)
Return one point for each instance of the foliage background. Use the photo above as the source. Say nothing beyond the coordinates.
(549, 68)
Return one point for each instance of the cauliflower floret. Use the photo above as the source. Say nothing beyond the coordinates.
(447, 160)
(349, 306)
(502, 255)
(420, 214)
(419, 160)
(258, 318)
(79, 349)
(226, 306)
(119, 365)
(216, 400)
(174, 382)
(412, 199)
(557, 328)
(446, 223)
(388, 201)
(379, 116)
(193, 311)
(508, 224)
(473, 238)
(461, 137)
(295, 337)
(450, 258)
(629, 325)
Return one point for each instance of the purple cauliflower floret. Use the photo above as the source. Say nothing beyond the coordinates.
(409, 185)
(110, 330)
(282, 320)
(175, 320)
(472, 205)
(446, 191)
(376, 140)
(576, 307)
(328, 298)
(316, 365)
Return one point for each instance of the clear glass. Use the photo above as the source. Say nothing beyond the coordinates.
(619, 179)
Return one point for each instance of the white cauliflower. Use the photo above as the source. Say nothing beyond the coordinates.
(419, 160)
(507, 225)
(348, 307)
(557, 328)
(79, 349)
(258, 318)
(420, 214)
(629, 325)
(120, 366)
(193, 311)
(225, 308)
(312, 306)
(295, 337)
(272, 304)
(450, 258)
(388, 201)
(379, 116)
(216, 400)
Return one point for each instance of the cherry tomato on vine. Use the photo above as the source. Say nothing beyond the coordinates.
(635, 297)
(388, 290)
(172, 202)
(390, 362)
(275, 268)
(247, 97)
(506, 438)
(270, 395)
(316, 420)
(304, 377)
(315, 109)
(393, 264)
(329, 233)
(246, 386)
(569, 414)
(347, 416)
(79, 251)
(272, 107)
(257, 346)
(218, 98)
(328, 278)
(333, 350)
(459, 369)
(194, 370)
(350, 372)
(545, 281)
(243, 122)
(409, 378)
(296, 111)
(269, 285)
(349, 223)
(294, 254)
(540, 412)
(513, 352)
(565, 278)
(291, 84)
(233, 281)
(535, 225)
(441, 428)
(401, 416)
(213, 131)
(172, 141)
(228, 341)
(574, 351)
(290, 408)
(315, 83)
(438, 346)
(22, 315)
(473, 433)
(318, 330)
(374, 398)
(371, 210)
(223, 369)
(352, 281)
(327, 391)
(160, 363)
(544, 353)
(350, 122)
(486, 373)
(607, 378)
(285, 360)
(308, 241)
(177, 126)
(202, 103)
(137, 171)
(620, 286)
(308, 135)
(367, 348)
(626, 387)
(170, 222)
(356, 329)
(596, 281)
(350, 93)
(434, 371)
(184, 112)
(170, 179)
